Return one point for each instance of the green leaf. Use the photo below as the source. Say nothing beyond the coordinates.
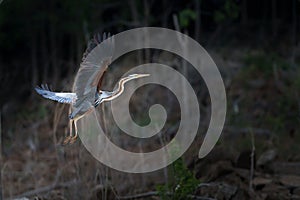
(185, 17)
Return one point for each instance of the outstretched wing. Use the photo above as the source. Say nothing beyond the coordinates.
(61, 97)
(95, 61)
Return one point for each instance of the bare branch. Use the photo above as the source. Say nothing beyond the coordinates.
(47, 189)
(139, 196)
(155, 193)
(255, 131)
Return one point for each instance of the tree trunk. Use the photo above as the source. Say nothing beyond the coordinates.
(274, 18)
(34, 61)
(244, 13)
(198, 19)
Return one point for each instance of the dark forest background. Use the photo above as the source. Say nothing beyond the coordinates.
(254, 43)
(44, 40)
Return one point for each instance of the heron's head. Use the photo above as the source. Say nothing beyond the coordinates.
(71, 116)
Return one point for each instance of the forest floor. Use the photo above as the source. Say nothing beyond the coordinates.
(257, 156)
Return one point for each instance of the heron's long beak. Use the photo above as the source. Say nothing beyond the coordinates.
(134, 76)
(142, 75)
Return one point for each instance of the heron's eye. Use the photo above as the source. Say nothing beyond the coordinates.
(71, 116)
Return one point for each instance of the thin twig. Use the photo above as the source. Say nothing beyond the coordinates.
(162, 142)
(252, 162)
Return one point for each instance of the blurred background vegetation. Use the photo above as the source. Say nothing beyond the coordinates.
(254, 43)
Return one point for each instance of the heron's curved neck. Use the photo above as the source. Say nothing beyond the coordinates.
(119, 89)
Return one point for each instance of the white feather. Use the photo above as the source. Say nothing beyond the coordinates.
(61, 97)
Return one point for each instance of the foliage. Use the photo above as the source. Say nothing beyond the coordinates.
(185, 17)
(269, 98)
(184, 184)
(264, 62)
(32, 113)
(229, 11)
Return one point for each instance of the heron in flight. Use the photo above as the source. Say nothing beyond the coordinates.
(87, 93)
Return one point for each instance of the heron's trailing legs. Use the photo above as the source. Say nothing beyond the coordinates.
(71, 139)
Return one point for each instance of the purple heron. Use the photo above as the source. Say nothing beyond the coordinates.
(87, 92)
